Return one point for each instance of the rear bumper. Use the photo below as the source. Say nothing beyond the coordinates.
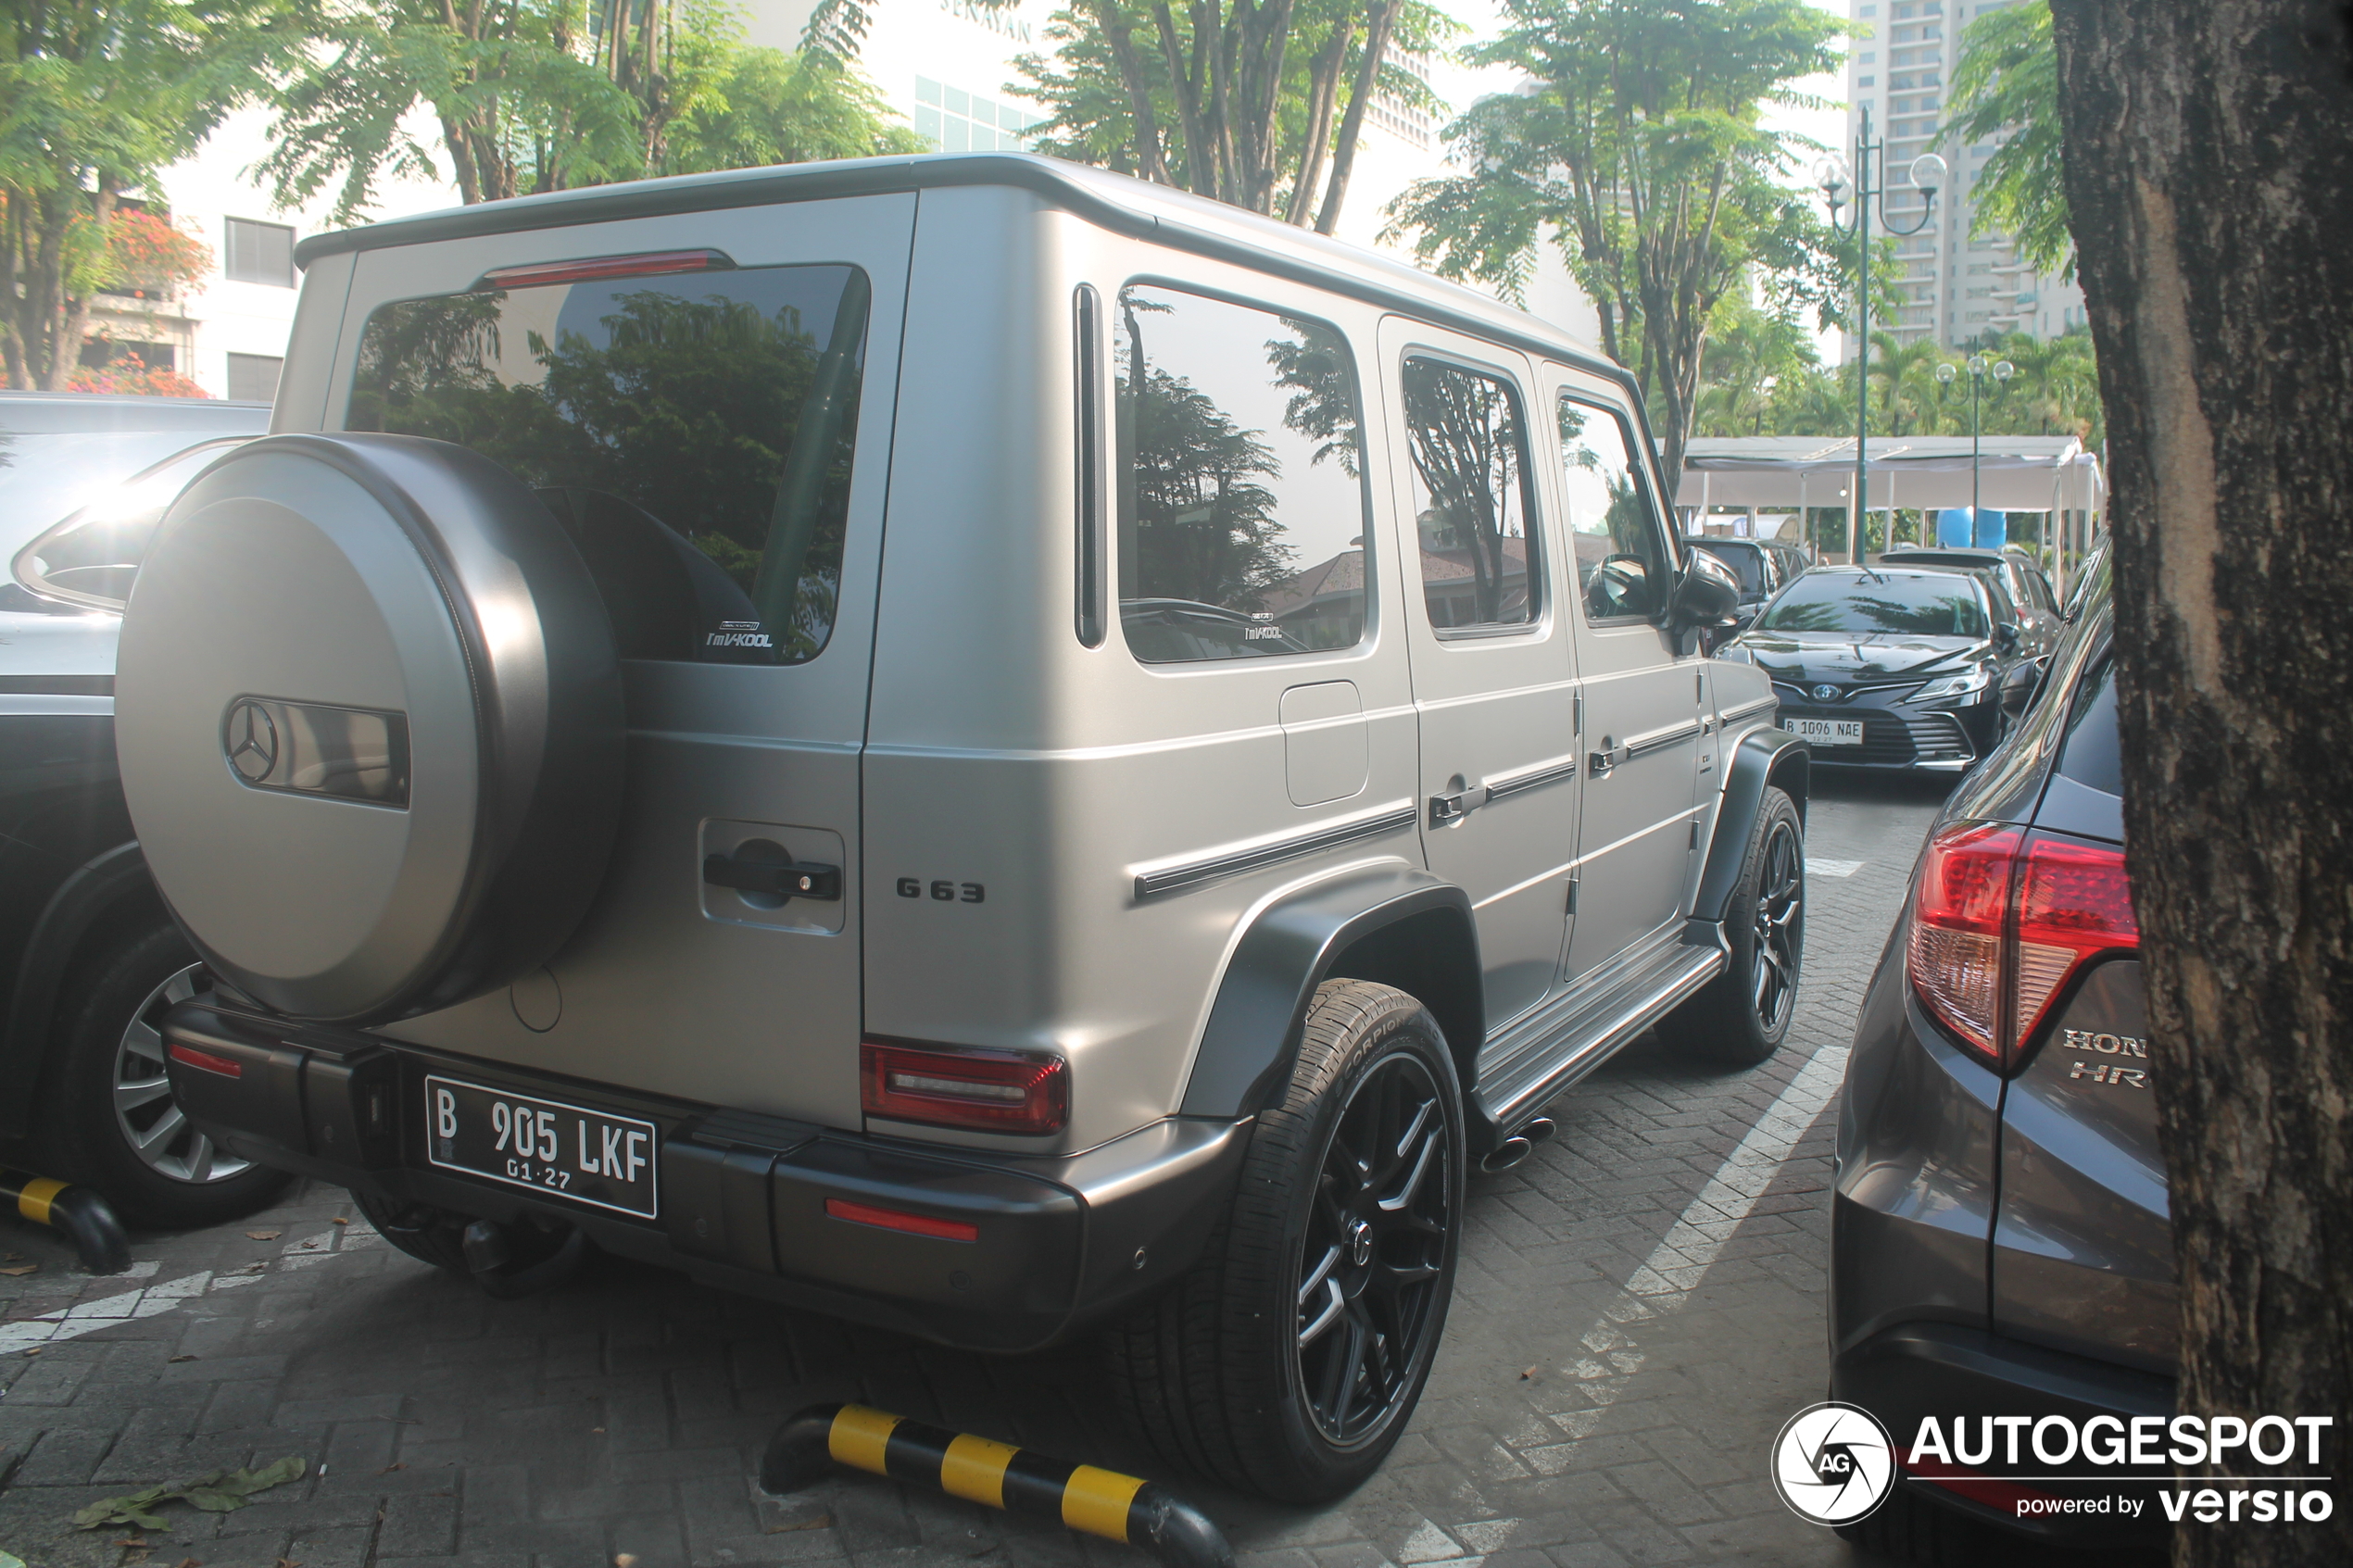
(1061, 1242)
(1908, 1374)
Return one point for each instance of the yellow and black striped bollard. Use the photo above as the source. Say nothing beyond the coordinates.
(87, 1219)
(1100, 1502)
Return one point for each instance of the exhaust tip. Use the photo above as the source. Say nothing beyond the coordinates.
(1508, 1153)
(1541, 1130)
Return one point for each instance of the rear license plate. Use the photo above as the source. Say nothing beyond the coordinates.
(560, 1150)
(1827, 732)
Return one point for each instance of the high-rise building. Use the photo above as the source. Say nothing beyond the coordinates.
(1957, 286)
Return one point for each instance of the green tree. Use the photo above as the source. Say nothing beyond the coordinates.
(1639, 148)
(96, 97)
(534, 95)
(1750, 353)
(2005, 85)
(1261, 105)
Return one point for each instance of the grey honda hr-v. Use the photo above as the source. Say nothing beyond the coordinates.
(2000, 1245)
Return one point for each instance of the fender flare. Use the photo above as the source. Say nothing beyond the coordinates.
(1762, 757)
(1294, 946)
(98, 887)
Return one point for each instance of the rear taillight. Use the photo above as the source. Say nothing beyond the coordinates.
(2000, 918)
(990, 1091)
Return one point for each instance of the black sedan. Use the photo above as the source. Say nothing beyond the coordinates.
(1892, 667)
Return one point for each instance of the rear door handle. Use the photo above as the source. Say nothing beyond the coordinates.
(1447, 809)
(788, 879)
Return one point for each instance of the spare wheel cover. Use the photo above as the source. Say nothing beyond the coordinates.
(370, 722)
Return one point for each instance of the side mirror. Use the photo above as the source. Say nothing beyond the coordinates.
(2019, 688)
(1708, 593)
(2005, 636)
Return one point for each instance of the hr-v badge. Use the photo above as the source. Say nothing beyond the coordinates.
(1833, 1463)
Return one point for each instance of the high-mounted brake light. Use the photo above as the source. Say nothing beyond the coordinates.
(901, 1219)
(990, 1091)
(594, 268)
(2001, 919)
(226, 1066)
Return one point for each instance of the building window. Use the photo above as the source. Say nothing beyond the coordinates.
(958, 122)
(1866, 81)
(259, 252)
(253, 377)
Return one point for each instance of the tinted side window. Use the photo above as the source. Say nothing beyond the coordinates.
(1242, 505)
(1621, 557)
(1473, 502)
(694, 434)
(2091, 758)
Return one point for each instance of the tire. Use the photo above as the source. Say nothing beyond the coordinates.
(113, 1124)
(1740, 1018)
(1213, 1376)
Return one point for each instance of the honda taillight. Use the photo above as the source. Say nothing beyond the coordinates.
(990, 1091)
(2000, 918)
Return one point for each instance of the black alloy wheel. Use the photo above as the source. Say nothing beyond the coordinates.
(1288, 1361)
(1780, 927)
(1374, 1250)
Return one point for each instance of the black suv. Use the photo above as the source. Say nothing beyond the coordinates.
(1999, 1238)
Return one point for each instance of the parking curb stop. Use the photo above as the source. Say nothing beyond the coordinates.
(1081, 1496)
(87, 1219)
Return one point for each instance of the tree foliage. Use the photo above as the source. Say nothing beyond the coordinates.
(1763, 380)
(1638, 147)
(533, 95)
(96, 96)
(1259, 103)
(2005, 86)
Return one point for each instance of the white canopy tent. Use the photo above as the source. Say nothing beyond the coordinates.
(2050, 474)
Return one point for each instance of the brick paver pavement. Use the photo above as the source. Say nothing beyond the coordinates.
(1635, 1317)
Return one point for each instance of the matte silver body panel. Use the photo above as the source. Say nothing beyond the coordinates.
(1124, 823)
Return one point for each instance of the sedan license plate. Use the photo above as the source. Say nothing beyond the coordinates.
(1827, 732)
(560, 1150)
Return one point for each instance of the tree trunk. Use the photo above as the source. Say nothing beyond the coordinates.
(1351, 125)
(2207, 148)
(73, 322)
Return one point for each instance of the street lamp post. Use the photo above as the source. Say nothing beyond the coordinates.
(1978, 369)
(1927, 172)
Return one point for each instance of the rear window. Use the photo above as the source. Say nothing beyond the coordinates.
(693, 432)
(1914, 604)
(2091, 756)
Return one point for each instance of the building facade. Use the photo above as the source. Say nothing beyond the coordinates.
(1957, 286)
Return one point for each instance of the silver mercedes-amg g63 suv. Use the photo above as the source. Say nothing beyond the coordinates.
(964, 741)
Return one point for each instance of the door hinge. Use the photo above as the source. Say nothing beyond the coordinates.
(1694, 832)
(1572, 896)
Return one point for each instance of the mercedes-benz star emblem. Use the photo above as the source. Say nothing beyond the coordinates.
(251, 740)
(1825, 694)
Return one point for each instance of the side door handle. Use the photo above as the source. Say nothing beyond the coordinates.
(1609, 756)
(787, 879)
(1447, 809)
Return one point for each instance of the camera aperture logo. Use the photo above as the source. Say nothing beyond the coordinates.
(1833, 1463)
